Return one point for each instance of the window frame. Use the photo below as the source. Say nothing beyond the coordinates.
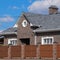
(24, 23)
(42, 40)
(12, 39)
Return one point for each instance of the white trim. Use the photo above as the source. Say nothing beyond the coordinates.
(8, 33)
(10, 39)
(16, 25)
(31, 24)
(35, 39)
(24, 23)
(42, 40)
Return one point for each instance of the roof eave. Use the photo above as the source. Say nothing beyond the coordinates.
(45, 30)
(8, 33)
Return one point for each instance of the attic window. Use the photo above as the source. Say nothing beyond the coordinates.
(24, 23)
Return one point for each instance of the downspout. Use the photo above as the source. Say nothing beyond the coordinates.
(35, 38)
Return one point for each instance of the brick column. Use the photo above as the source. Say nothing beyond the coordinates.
(22, 51)
(54, 51)
(9, 52)
(38, 51)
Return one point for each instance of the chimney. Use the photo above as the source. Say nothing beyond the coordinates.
(53, 9)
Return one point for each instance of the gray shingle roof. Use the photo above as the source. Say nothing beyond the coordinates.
(12, 30)
(46, 22)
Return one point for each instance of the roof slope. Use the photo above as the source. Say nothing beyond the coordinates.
(12, 30)
(45, 21)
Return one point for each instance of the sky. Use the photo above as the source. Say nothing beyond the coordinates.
(11, 10)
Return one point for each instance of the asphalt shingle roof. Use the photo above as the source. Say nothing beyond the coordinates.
(46, 22)
(11, 30)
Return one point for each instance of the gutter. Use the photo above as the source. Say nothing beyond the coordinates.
(46, 30)
(6, 33)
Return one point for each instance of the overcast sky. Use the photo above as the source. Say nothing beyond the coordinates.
(10, 10)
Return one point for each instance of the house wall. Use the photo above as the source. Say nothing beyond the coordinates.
(8, 37)
(55, 35)
(25, 32)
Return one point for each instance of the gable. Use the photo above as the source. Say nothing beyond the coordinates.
(24, 31)
(23, 22)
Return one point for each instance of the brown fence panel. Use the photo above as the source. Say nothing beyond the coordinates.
(46, 51)
(58, 51)
(30, 51)
(15, 51)
(3, 51)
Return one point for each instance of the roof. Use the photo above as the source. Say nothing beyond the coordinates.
(47, 22)
(12, 30)
(45, 30)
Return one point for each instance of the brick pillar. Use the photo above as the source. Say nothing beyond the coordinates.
(9, 52)
(22, 51)
(54, 51)
(38, 51)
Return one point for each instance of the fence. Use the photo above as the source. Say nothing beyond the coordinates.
(30, 51)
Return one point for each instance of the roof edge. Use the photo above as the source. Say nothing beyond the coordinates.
(48, 30)
(8, 33)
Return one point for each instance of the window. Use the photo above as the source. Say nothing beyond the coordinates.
(47, 40)
(24, 23)
(12, 41)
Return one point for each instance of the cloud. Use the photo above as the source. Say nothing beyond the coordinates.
(1, 31)
(41, 6)
(6, 18)
(14, 7)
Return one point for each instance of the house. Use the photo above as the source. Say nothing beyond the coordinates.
(34, 29)
(9, 36)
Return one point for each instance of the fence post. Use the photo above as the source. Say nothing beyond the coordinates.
(9, 52)
(22, 51)
(38, 51)
(54, 51)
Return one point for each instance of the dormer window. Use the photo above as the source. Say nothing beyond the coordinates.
(35, 26)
